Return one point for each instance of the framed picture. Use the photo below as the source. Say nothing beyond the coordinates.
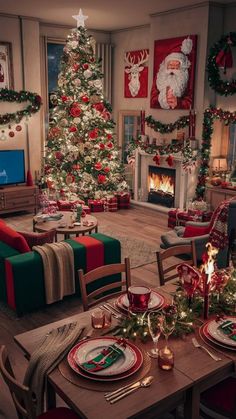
(174, 73)
(136, 73)
(6, 67)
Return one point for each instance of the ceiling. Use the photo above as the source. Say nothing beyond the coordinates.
(105, 15)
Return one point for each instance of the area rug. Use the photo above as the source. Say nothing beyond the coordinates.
(139, 252)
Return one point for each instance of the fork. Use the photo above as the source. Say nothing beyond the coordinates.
(197, 345)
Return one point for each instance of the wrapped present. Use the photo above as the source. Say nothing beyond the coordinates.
(96, 205)
(68, 205)
(123, 200)
(86, 209)
(171, 222)
(111, 204)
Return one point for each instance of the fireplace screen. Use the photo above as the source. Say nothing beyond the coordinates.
(161, 186)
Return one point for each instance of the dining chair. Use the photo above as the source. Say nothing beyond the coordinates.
(23, 398)
(167, 268)
(219, 401)
(90, 299)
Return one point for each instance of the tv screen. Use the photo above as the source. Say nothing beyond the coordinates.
(12, 167)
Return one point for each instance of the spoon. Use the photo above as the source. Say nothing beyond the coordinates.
(146, 382)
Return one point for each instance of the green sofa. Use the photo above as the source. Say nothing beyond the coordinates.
(22, 274)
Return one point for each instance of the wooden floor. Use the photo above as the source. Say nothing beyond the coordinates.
(139, 223)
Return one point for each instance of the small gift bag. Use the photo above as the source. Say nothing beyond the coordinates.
(123, 200)
(96, 205)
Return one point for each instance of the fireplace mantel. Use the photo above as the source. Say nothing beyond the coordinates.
(142, 161)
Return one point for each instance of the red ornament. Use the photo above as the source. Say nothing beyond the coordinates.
(85, 66)
(58, 155)
(64, 98)
(106, 115)
(85, 99)
(102, 178)
(107, 169)
(98, 166)
(11, 134)
(72, 129)
(75, 111)
(101, 146)
(109, 137)
(99, 106)
(109, 156)
(109, 145)
(157, 159)
(18, 128)
(76, 67)
(93, 134)
(170, 160)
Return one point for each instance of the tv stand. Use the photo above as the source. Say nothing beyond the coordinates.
(18, 198)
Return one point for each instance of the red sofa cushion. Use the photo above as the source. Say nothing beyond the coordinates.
(13, 239)
(193, 231)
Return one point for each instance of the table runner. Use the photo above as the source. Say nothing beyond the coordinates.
(79, 381)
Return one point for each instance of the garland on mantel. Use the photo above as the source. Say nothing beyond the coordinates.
(210, 115)
(7, 95)
(219, 54)
(182, 150)
(157, 126)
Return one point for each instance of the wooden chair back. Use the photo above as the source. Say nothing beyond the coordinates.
(21, 395)
(166, 273)
(90, 299)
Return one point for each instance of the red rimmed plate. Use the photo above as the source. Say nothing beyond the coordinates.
(214, 331)
(156, 301)
(137, 365)
(90, 348)
(204, 333)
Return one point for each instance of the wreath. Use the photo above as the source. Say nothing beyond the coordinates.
(7, 95)
(221, 56)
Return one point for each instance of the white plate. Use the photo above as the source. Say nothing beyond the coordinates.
(155, 301)
(91, 348)
(217, 334)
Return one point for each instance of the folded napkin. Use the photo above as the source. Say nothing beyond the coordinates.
(47, 356)
(107, 357)
(228, 327)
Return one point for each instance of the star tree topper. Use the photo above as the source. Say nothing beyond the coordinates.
(80, 19)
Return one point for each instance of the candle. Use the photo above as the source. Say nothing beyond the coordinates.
(165, 359)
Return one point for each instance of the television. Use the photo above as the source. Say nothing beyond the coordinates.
(12, 167)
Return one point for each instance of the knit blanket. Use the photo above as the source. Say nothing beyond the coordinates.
(219, 232)
(58, 265)
(49, 353)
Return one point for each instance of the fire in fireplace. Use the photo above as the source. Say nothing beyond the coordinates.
(161, 186)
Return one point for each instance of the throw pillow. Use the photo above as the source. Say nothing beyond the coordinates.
(13, 239)
(193, 231)
(38, 239)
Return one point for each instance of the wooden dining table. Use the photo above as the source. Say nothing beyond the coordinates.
(194, 371)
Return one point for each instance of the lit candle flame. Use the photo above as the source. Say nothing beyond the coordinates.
(209, 264)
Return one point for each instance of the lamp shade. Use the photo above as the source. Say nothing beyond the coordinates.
(219, 164)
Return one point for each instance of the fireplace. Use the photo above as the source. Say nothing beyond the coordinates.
(161, 186)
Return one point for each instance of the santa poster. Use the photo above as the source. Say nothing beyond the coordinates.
(173, 73)
(136, 73)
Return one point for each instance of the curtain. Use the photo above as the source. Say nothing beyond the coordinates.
(105, 52)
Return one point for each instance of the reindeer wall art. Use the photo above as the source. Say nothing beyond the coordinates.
(136, 74)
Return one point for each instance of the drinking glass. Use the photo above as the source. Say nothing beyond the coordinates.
(154, 326)
(97, 318)
(168, 321)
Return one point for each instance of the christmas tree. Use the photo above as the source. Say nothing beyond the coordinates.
(81, 158)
